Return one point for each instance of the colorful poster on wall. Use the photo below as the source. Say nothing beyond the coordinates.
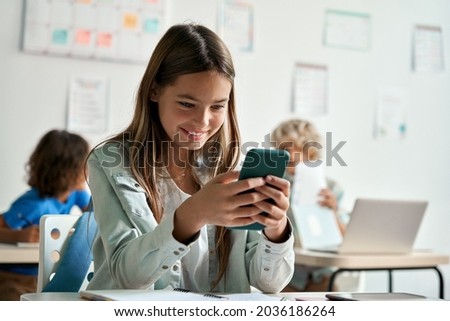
(115, 30)
(310, 86)
(236, 24)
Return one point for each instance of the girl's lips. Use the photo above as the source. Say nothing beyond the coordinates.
(194, 135)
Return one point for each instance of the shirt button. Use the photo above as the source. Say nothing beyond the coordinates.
(165, 267)
(268, 246)
(175, 268)
(136, 185)
(266, 269)
(181, 249)
(176, 252)
(267, 250)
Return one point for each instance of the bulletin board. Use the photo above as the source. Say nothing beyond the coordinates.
(115, 30)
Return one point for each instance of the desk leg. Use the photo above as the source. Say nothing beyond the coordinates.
(441, 282)
(439, 273)
(333, 277)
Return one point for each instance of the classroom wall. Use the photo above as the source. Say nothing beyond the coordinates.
(33, 97)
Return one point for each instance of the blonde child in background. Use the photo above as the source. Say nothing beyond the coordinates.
(299, 137)
(56, 177)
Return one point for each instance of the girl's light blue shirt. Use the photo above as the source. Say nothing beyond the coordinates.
(133, 251)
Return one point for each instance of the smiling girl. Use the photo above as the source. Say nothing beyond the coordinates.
(164, 190)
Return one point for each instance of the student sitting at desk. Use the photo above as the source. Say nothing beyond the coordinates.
(162, 218)
(57, 181)
(294, 136)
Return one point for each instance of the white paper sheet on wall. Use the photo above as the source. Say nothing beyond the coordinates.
(236, 24)
(347, 30)
(88, 104)
(390, 122)
(310, 89)
(428, 49)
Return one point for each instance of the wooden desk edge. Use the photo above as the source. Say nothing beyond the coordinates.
(11, 253)
(415, 259)
(74, 296)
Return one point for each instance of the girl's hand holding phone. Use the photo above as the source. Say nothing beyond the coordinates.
(227, 201)
(224, 201)
(277, 189)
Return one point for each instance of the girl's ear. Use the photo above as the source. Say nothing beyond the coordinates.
(154, 94)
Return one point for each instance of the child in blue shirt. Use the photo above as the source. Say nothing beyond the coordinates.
(57, 181)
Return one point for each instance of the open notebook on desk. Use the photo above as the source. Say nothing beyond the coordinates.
(171, 295)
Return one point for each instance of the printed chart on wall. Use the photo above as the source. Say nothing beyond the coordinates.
(390, 122)
(347, 30)
(114, 30)
(88, 104)
(235, 24)
(310, 86)
(428, 54)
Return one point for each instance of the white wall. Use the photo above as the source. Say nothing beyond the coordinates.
(33, 93)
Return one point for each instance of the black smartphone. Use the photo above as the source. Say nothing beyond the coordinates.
(260, 162)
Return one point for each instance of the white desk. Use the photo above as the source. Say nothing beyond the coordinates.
(357, 262)
(11, 253)
(74, 296)
(51, 296)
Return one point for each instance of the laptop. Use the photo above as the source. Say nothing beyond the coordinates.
(380, 226)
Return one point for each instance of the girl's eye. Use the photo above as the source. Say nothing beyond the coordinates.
(217, 107)
(186, 104)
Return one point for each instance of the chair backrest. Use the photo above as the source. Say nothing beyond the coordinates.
(65, 258)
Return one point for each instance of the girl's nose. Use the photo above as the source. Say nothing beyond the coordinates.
(202, 117)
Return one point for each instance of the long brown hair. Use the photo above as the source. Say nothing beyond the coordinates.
(183, 49)
(57, 162)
